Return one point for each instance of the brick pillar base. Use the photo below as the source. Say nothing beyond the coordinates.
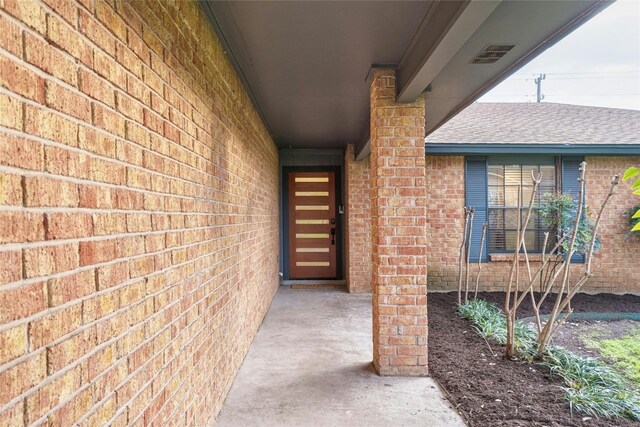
(398, 229)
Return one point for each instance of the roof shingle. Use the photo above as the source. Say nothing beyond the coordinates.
(539, 123)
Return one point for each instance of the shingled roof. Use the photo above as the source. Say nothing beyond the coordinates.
(539, 123)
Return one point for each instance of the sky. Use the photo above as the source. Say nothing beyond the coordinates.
(598, 65)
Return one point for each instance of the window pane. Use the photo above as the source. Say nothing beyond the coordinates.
(512, 175)
(504, 183)
(526, 173)
(527, 191)
(533, 223)
(496, 175)
(548, 176)
(496, 241)
(511, 218)
(495, 225)
(496, 196)
(530, 241)
(511, 195)
(510, 237)
(496, 218)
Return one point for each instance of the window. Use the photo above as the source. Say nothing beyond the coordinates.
(491, 188)
(503, 182)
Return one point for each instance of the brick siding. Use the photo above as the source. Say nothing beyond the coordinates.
(138, 215)
(358, 223)
(613, 268)
(398, 244)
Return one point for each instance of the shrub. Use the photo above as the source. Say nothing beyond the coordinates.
(558, 211)
(634, 221)
(591, 386)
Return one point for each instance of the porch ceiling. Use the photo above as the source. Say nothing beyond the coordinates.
(305, 63)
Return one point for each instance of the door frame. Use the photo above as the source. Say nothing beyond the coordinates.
(337, 170)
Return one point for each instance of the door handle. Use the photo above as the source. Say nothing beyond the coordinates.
(333, 235)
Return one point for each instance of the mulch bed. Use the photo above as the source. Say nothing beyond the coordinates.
(489, 390)
(572, 335)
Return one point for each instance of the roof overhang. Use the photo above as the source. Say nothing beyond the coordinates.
(458, 149)
(452, 82)
(304, 64)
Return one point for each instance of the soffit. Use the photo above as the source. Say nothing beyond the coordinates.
(306, 62)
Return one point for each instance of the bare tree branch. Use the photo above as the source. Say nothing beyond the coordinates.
(464, 240)
(466, 280)
(484, 234)
(545, 336)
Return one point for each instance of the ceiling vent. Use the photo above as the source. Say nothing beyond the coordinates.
(492, 53)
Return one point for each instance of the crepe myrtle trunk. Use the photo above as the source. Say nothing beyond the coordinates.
(511, 306)
(567, 292)
(553, 271)
(468, 216)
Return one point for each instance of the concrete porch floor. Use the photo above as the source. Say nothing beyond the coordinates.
(309, 365)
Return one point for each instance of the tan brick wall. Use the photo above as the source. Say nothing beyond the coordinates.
(358, 223)
(138, 214)
(398, 244)
(445, 210)
(613, 268)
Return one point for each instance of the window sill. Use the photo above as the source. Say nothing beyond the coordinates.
(509, 257)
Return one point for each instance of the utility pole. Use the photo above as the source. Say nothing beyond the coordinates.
(538, 81)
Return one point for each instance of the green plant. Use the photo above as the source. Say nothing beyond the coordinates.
(625, 354)
(634, 221)
(630, 173)
(558, 211)
(590, 386)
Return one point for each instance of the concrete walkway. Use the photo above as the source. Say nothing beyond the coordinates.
(310, 365)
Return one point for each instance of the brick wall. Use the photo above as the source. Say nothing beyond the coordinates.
(615, 269)
(445, 210)
(138, 214)
(612, 267)
(358, 223)
(398, 245)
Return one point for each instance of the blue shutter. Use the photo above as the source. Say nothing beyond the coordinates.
(570, 185)
(476, 197)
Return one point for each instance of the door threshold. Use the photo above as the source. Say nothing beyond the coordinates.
(315, 284)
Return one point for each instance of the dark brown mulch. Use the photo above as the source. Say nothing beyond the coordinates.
(492, 391)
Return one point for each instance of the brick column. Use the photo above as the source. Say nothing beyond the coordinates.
(398, 230)
(358, 222)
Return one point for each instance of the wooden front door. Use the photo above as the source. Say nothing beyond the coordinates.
(312, 225)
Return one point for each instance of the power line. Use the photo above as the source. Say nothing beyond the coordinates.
(565, 76)
(595, 78)
(596, 94)
(578, 78)
(584, 73)
(556, 96)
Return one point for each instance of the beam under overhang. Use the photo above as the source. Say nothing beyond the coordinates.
(446, 28)
(445, 64)
(363, 144)
(531, 26)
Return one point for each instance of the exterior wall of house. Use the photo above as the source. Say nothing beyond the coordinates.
(398, 245)
(138, 215)
(613, 268)
(357, 223)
